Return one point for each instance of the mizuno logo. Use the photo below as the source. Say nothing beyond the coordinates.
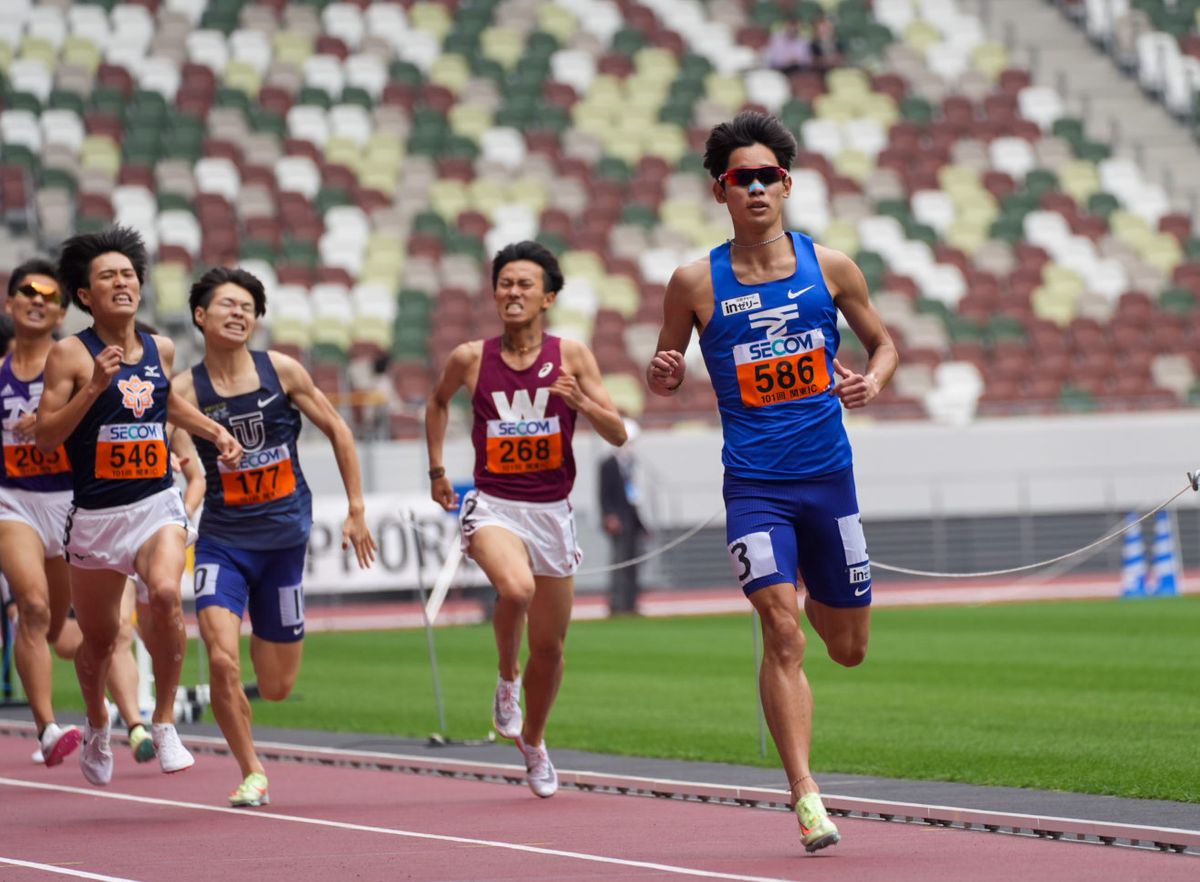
(263, 402)
(794, 294)
(152, 370)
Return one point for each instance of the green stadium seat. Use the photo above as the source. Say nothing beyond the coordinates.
(1177, 300)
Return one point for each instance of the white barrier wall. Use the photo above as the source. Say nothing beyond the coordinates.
(904, 469)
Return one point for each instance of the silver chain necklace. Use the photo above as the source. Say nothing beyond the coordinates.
(757, 244)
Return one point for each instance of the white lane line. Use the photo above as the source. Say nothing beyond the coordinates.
(62, 871)
(388, 831)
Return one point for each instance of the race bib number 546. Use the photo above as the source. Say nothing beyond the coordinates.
(129, 451)
(781, 369)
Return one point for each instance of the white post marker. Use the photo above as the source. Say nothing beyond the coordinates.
(445, 578)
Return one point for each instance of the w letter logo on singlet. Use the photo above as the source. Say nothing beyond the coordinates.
(136, 394)
(248, 429)
(521, 408)
(775, 320)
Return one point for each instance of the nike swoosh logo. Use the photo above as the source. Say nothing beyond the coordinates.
(263, 402)
(792, 295)
(296, 632)
(859, 592)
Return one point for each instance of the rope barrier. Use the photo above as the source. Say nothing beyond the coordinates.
(1106, 538)
(1192, 484)
(654, 552)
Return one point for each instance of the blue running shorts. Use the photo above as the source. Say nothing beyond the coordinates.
(271, 582)
(811, 527)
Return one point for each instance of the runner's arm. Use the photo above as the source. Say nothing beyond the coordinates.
(188, 417)
(313, 403)
(189, 465)
(665, 373)
(583, 389)
(853, 300)
(437, 417)
(68, 366)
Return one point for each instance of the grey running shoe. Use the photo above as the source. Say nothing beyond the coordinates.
(506, 708)
(96, 758)
(540, 774)
(172, 755)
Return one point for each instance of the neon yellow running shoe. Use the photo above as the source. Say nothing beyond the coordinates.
(816, 830)
(251, 792)
(141, 744)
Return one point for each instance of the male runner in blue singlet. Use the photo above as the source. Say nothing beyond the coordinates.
(765, 305)
(257, 511)
(107, 398)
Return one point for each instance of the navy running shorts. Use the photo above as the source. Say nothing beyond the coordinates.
(270, 582)
(810, 527)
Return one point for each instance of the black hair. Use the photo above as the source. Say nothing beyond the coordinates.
(38, 266)
(78, 252)
(552, 275)
(202, 291)
(745, 130)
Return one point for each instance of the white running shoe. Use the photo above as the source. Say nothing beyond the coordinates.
(506, 708)
(96, 758)
(540, 774)
(59, 743)
(172, 755)
(38, 758)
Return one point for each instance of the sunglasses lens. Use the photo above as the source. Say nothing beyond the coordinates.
(50, 295)
(767, 175)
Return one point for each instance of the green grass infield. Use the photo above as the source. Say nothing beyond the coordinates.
(1096, 697)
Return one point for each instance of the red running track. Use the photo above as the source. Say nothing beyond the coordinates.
(337, 822)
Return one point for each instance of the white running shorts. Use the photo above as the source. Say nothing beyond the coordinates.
(546, 528)
(110, 538)
(46, 513)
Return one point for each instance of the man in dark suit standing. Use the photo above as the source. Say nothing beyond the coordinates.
(619, 499)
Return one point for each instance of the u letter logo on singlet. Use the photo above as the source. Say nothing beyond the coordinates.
(248, 429)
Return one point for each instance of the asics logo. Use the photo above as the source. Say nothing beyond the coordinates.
(792, 295)
(546, 369)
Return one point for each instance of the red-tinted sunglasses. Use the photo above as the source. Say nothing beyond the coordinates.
(744, 177)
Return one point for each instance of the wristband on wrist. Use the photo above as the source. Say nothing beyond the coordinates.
(438, 472)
